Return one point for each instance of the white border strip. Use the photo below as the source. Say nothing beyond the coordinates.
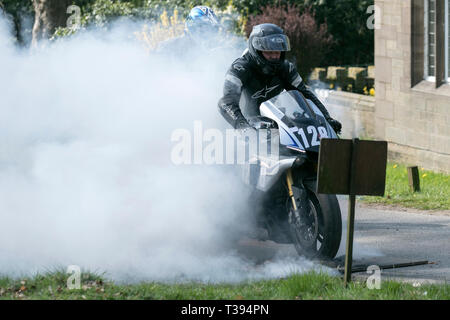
(447, 34)
(426, 43)
(425, 56)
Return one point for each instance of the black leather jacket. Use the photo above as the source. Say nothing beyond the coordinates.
(244, 79)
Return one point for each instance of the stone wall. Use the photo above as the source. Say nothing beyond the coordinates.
(414, 120)
(354, 111)
(350, 79)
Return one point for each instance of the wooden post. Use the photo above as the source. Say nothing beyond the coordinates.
(414, 180)
(349, 245)
(351, 214)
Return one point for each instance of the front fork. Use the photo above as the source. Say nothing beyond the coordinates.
(290, 182)
(303, 221)
(304, 203)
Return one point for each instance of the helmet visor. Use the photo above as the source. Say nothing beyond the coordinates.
(273, 42)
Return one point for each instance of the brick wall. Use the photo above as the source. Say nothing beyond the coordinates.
(414, 120)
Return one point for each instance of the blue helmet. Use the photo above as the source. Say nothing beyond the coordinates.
(201, 22)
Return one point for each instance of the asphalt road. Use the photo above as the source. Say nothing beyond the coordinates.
(395, 236)
(390, 236)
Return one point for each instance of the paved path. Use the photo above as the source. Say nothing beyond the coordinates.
(387, 236)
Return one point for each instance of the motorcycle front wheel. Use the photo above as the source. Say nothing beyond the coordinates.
(316, 227)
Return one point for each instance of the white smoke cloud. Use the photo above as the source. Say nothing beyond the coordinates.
(361, 251)
(85, 171)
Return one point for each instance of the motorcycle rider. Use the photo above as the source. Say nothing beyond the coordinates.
(201, 29)
(260, 74)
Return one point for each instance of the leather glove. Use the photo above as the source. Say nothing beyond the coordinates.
(242, 124)
(269, 125)
(248, 131)
(336, 125)
(244, 128)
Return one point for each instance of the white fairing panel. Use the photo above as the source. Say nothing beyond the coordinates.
(263, 174)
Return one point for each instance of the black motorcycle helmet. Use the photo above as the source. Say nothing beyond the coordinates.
(268, 37)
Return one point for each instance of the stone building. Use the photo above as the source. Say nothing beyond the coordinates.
(411, 107)
(412, 81)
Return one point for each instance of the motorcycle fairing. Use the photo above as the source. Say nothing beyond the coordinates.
(292, 112)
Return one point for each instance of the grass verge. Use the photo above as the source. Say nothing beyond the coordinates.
(434, 190)
(306, 286)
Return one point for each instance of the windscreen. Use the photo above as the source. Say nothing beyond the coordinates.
(301, 123)
(293, 105)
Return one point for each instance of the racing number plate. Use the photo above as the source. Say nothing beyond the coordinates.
(312, 136)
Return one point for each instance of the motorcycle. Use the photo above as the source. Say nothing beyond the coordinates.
(293, 211)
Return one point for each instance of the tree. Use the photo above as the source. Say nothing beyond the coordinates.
(346, 21)
(17, 10)
(49, 15)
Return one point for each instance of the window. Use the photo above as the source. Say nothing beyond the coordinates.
(430, 40)
(447, 40)
(436, 42)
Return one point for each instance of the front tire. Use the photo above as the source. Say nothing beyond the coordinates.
(317, 233)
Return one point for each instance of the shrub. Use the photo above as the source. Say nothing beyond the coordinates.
(166, 28)
(309, 41)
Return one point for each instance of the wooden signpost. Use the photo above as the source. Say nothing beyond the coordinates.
(413, 178)
(351, 167)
